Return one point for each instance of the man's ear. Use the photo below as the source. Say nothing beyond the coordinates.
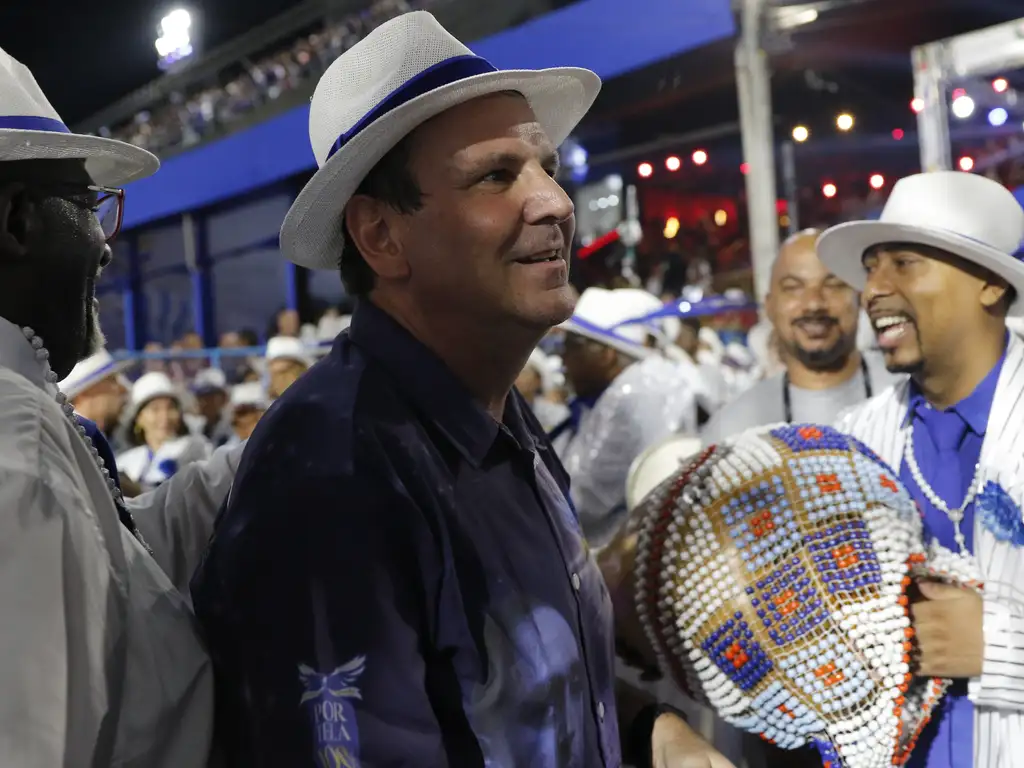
(370, 227)
(16, 213)
(994, 293)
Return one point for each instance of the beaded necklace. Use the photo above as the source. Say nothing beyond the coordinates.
(43, 356)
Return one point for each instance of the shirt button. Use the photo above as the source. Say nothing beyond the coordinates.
(600, 711)
(576, 582)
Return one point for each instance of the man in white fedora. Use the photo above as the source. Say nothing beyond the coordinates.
(399, 536)
(100, 661)
(98, 390)
(627, 397)
(938, 281)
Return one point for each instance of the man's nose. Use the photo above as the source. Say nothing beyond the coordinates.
(547, 202)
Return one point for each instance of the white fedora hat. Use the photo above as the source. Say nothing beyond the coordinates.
(400, 75)
(610, 318)
(251, 394)
(90, 371)
(967, 215)
(288, 348)
(31, 129)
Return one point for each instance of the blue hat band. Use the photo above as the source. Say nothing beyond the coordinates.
(443, 73)
(605, 333)
(32, 123)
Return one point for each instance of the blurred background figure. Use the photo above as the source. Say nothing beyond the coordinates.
(98, 390)
(814, 315)
(156, 428)
(287, 358)
(210, 389)
(627, 396)
(249, 402)
(539, 384)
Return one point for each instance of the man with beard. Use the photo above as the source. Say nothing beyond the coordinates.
(939, 279)
(100, 662)
(814, 315)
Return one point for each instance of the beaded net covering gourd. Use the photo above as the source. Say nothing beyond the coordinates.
(772, 577)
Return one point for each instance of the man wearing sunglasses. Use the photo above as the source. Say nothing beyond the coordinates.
(100, 663)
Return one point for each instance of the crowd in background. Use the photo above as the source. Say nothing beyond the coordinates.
(188, 118)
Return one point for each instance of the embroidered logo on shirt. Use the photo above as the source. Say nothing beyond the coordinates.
(1000, 515)
(329, 698)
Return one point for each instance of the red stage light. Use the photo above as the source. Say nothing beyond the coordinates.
(877, 181)
(829, 190)
(966, 163)
(645, 169)
(673, 163)
(917, 104)
(898, 134)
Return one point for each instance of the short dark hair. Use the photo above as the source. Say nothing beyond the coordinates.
(389, 181)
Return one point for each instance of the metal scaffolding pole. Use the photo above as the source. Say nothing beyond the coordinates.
(933, 120)
(753, 84)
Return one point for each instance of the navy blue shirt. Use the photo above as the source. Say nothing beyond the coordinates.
(399, 580)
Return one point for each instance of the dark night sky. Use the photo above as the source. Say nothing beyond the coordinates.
(89, 53)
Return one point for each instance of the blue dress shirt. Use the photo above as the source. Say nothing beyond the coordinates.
(947, 445)
(399, 580)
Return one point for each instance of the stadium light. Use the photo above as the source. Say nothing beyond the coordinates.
(844, 122)
(998, 117)
(963, 106)
(175, 40)
(800, 133)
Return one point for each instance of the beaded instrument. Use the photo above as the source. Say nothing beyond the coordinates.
(771, 580)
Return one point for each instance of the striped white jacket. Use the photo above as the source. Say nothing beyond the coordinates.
(998, 695)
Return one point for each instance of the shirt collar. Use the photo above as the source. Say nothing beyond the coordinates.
(973, 409)
(432, 386)
(17, 354)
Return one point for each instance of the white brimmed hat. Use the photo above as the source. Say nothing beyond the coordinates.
(31, 129)
(149, 387)
(403, 73)
(93, 370)
(210, 380)
(967, 215)
(251, 394)
(609, 317)
(288, 348)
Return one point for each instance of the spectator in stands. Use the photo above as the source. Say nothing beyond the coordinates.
(210, 388)
(287, 359)
(156, 428)
(430, 587)
(98, 390)
(101, 664)
(249, 402)
(286, 323)
(154, 347)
